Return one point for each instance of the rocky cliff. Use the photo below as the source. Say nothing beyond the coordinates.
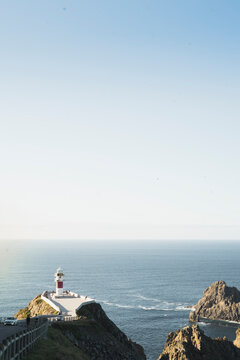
(190, 343)
(93, 337)
(219, 302)
(99, 338)
(36, 307)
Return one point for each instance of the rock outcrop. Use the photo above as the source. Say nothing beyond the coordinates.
(219, 302)
(98, 337)
(36, 307)
(237, 340)
(190, 343)
(92, 337)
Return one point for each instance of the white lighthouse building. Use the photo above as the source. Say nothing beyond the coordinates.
(59, 275)
(65, 302)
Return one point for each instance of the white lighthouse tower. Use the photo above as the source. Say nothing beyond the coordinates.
(59, 281)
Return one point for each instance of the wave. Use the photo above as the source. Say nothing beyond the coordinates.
(185, 308)
(161, 306)
(148, 308)
(117, 305)
(147, 298)
(130, 306)
(166, 305)
(202, 323)
(218, 321)
(232, 322)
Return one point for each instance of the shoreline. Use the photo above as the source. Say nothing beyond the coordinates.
(230, 322)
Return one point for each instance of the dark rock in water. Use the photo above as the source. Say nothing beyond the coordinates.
(219, 302)
(98, 337)
(190, 343)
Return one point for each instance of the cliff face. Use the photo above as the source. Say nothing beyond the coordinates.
(219, 302)
(98, 337)
(190, 343)
(36, 307)
(93, 337)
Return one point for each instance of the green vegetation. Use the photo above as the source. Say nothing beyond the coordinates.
(39, 301)
(23, 313)
(56, 346)
(36, 307)
(82, 326)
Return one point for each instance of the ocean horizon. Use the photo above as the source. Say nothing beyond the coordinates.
(145, 287)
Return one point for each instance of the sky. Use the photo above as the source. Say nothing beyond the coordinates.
(119, 120)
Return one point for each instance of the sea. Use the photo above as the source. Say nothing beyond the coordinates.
(145, 287)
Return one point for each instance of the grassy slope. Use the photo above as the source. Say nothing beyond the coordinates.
(36, 307)
(56, 346)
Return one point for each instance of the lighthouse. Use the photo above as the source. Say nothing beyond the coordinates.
(65, 302)
(59, 281)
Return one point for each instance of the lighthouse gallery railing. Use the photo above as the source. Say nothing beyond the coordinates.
(16, 346)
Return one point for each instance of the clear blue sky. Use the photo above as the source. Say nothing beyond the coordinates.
(120, 119)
